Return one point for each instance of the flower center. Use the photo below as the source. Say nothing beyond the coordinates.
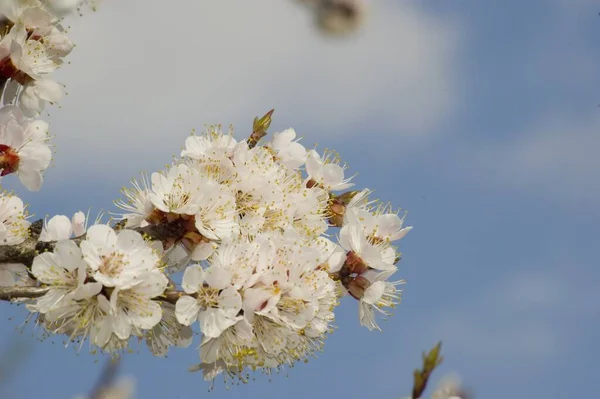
(9, 70)
(9, 160)
(208, 297)
(112, 264)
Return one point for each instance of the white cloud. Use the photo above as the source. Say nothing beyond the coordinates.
(526, 318)
(146, 72)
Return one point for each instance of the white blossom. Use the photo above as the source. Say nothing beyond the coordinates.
(289, 152)
(14, 228)
(23, 147)
(216, 303)
(326, 172)
(118, 259)
(379, 296)
(378, 256)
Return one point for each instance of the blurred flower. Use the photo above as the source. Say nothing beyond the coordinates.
(340, 17)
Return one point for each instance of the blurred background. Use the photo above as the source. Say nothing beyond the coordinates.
(481, 119)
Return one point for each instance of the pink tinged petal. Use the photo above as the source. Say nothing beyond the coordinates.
(374, 292)
(186, 310)
(217, 277)
(193, 278)
(31, 179)
(254, 300)
(213, 322)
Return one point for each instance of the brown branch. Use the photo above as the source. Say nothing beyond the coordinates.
(12, 293)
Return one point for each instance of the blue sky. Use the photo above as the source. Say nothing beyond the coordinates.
(481, 119)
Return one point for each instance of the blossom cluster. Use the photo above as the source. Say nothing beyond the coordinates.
(250, 228)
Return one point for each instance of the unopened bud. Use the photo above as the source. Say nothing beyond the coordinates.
(259, 128)
(357, 287)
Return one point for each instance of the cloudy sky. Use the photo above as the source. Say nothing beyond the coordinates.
(482, 119)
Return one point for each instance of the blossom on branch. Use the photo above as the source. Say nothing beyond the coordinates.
(248, 225)
(24, 147)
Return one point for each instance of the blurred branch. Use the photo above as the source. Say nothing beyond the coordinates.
(106, 379)
(13, 356)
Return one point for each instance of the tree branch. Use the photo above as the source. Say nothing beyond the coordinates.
(12, 293)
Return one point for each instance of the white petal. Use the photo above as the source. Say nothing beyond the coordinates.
(374, 292)
(213, 322)
(217, 277)
(31, 179)
(186, 310)
(193, 278)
